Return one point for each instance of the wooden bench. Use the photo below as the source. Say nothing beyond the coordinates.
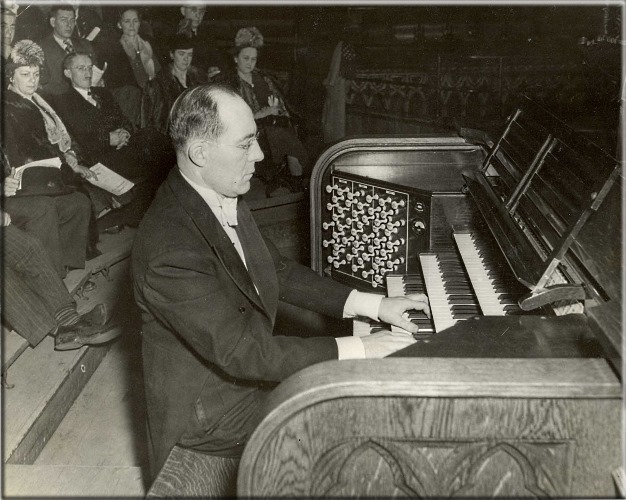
(187, 473)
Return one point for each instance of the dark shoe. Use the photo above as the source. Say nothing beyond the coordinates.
(82, 334)
(89, 286)
(97, 316)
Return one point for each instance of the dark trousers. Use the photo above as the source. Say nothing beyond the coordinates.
(60, 223)
(33, 291)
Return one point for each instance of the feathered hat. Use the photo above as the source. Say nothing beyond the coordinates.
(249, 37)
(24, 53)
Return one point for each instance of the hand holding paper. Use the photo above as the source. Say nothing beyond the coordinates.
(109, 180)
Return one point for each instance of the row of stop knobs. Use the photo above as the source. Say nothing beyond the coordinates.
(365, 232)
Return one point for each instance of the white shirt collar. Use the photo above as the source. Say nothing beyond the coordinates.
(84, 93)
(212, 198)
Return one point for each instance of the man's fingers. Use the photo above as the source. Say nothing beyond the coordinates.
(420, 302)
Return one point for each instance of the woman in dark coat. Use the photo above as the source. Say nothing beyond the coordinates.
(160, 93)
(32, 131)
(278, 138)
(131, 63)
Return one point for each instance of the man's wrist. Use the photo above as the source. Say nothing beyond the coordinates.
(362, 304)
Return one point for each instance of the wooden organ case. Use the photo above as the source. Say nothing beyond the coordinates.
(513, 388)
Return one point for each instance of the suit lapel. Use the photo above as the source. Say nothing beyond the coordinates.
(258, 258)
(216, 237)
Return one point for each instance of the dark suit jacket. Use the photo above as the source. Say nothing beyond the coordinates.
(160, 93)
(209, 352)
(90, 125)
(53, 80)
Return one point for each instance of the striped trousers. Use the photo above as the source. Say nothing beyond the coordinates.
(33, 291)
(60, 223)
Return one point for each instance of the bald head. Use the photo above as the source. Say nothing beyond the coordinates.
(196, 114)
(214, 132)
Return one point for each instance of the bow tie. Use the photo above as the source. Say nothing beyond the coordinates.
(229, 211)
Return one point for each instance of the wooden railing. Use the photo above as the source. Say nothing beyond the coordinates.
(477, 89)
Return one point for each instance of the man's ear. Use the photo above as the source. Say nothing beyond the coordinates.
(52, 20)
(197, 153)
(182, 11)
(67, 73)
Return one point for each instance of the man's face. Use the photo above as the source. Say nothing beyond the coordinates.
(231, 167)
(80, 72)
(8, 29)
(63, 23)
(194, 13)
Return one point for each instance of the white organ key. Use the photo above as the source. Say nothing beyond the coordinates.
(482, 284)
(438, 298)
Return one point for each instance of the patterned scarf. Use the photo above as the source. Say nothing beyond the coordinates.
(57, 133)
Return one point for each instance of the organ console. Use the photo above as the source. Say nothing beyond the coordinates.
(485, 229)
(513, 388)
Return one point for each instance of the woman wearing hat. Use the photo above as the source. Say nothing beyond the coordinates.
(33, 131)
(160, 93)
(285, 155)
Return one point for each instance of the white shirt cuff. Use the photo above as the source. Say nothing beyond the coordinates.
(350, 348)
(362, 304)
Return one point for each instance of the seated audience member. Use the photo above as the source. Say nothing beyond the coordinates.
(33, 131)
(286, 156)
(159, 94)
(59, 222)
(209, 59)
(103, 133)
(131, 63)
(209, 285)
(57, 45)
(36, 302)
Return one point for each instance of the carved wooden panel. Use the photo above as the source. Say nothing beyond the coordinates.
(443, 447)
(423, 468)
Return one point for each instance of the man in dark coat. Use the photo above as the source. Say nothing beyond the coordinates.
(57, 45)
(102, 131)
(208, 286)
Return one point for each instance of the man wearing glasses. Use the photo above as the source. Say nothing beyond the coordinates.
(102, 132)
(208, 286)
